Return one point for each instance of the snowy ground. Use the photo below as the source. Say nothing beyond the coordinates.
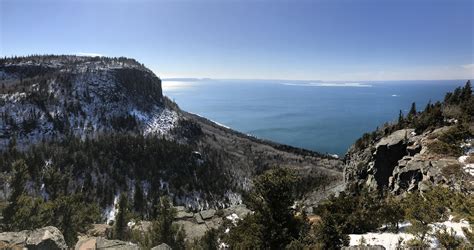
(469, 151)
(393, 240)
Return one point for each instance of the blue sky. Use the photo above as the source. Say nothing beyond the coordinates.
(312, 40)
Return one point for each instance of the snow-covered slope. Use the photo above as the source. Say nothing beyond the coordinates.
(46, 97)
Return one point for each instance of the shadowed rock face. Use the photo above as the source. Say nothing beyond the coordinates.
(389, 151)
(386, 159)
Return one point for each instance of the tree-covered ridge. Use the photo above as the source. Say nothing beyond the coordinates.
(456, 108)
(67, 61)
(101, 168)
(45, 97)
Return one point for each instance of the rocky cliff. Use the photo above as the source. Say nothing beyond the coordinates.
(432, 147)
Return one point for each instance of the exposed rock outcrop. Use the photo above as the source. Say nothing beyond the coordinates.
(402, 162)
(161, 246)
(42, 238)
(102, 243)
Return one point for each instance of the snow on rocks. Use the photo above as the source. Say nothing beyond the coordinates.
(394, 240)
(88, 98)
(111, 211)
(466, 160)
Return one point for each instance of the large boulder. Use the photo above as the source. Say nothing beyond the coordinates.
(162, 246)
(102, 243)
(207, 214)
(42, 238)
(100, 230)
(180, 215)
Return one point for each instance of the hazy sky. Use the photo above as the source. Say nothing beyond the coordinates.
(320, 39)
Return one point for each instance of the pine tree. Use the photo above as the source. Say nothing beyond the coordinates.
(401, 119)
(329, 235)
(22, 210)
(163, 229)
(412, 112)
(274, 223)
(466, 91)
(20, 177)
(139, 202)
(120, 224)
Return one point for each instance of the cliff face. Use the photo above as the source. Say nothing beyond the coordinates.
(404, 162)
(49, 97)
(422, 149)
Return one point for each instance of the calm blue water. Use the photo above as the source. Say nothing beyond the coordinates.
(314, 116)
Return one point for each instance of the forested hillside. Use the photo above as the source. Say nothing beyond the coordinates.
(82, 136)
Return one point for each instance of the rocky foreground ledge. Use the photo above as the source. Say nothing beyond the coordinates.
(42, 238)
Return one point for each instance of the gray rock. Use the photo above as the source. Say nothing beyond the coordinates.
(374, 247)
(102, 243)
(193, 230)
(162, 246)
(42, 238)
(183, 215)
(395, 138)
(143, 226)
(180, 208)
(207, 214)
(198, 218)
(214, 223)
(241, 210)
(13, 238)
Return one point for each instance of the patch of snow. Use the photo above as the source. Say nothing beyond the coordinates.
(111, 211)
(130, 224)
(393, 240)
(234, 218)
(161, 122)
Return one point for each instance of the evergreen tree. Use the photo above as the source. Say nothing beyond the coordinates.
(412, 112)
(16, 201)
(329, 235)
(466, 91)
(400, 117)
(421, 212)
(163, 230)
(120, 224)
(209, 240)
(271, 199)
(139, 203)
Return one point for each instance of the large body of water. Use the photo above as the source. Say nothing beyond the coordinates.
(324, 117)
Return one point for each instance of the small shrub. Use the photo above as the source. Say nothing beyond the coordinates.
(448, 238)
